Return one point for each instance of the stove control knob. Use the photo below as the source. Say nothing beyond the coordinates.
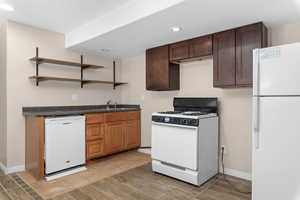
(194, 122)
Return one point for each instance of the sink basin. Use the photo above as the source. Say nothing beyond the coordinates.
(123, 108)
(115, 109)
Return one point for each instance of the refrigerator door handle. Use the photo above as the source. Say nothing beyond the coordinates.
(256, 72)
(256, 122)
(256, 91)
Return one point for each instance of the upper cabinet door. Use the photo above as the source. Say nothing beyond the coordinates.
(224, 59)
(248, 38)
(157, 68)
(179, 51)
(161, 75)
(201, 46)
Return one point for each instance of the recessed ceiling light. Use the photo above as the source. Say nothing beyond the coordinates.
(176, 29)
(6, 7)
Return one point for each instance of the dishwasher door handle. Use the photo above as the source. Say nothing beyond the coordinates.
(67, 123)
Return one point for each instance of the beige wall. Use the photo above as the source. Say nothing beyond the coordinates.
(21, 43)
(289, 33)
(196, 81)
(3, 137)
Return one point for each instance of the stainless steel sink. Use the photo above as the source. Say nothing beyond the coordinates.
(123, 108)
(116, 109)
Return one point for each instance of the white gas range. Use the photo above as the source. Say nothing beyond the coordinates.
(185, 141)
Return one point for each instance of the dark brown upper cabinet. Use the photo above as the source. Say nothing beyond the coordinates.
(201, 47)
(248, 38)
(161, 75)
(233, 55)
(179, 51)
(189, 49)
(224, 59)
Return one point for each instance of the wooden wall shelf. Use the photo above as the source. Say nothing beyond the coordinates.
(53, 78)
(39, 60)
(47, 78)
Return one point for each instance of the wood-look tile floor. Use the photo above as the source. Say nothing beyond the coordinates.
(96, 170)
(139, 183)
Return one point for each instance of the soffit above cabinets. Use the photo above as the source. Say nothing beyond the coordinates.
(57, 15)
(194, 17)
(123, 28)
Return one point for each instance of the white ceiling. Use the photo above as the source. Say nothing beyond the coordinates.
(59, 15)
(128, 27)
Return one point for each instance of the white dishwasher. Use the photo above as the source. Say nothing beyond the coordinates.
(64, 146)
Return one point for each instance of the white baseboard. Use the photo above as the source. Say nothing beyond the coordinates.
(146, 151)
(2, 167)
(11, 170)
(236, 173)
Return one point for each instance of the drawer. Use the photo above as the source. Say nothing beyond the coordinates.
(133, 115)
(116, 116)
(122, 116)
(95, 149)
(95, 131)
(94, 118)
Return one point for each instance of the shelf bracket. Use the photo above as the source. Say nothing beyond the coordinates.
(81, 71)
(114, 74)
(37, 66)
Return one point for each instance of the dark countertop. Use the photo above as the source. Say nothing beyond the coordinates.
(47, 111)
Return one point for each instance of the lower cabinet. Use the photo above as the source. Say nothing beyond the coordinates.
(114, 137)
(95, 149)
(119, 131)
(94, 139)
(95, 131)
(106, 133)
(132, 134)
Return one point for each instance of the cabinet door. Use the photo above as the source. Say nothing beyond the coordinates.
(201, 46)
(157, 68)
(160, 74)
(95, 149)
(248, 38)
(94, 131)
(114, 137)
(133, 134)
(179, 51)
(224, 59)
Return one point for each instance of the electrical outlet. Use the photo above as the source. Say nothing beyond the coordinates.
(224, 148)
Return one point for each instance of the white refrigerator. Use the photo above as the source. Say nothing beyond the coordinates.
(276, 123)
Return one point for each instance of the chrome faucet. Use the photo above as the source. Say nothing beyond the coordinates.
(108, 104)
(116, 105)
